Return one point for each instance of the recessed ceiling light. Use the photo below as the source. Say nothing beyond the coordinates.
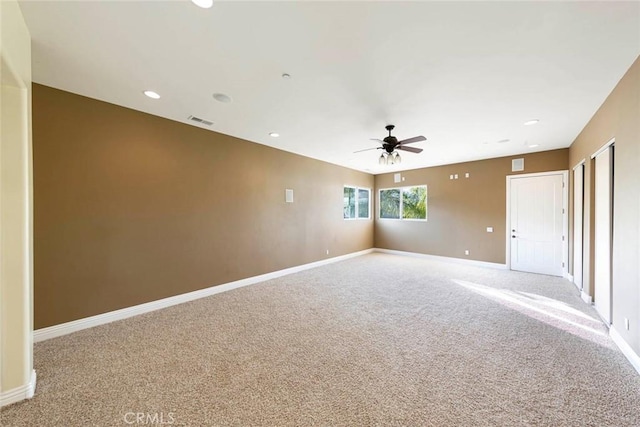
(503, 141)
(151, 94)
(205, 4)
(534, 145)
(274, 134)
(221, 97)
(531, 122)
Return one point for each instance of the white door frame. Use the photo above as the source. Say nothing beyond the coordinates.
(578, 235)
(607, 317)
(565, 216)
(16, 226)
(609, 143)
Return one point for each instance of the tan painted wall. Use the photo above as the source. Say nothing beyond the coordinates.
(619, 117)
(16, 285)
(131, 208)
(459, 211)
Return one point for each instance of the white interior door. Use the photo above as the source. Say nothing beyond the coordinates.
(603, 228)
(578, 221)
(536, 224)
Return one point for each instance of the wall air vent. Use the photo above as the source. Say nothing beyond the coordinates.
(199, 120)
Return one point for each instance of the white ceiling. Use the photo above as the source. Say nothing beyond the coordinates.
(463, 74)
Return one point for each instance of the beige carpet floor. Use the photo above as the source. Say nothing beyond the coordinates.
(375, 340)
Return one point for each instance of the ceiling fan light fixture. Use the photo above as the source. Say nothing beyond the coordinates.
(397, 158)
(389, 159)
(382, 160)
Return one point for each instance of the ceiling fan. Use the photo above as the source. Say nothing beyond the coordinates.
(390, 144)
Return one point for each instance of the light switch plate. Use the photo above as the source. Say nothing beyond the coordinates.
(396, 177)
(288, 195)
(489, 229)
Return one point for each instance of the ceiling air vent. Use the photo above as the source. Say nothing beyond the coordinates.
(199, 120)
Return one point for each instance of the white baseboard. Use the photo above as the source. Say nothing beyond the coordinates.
(586, 298)
(101, 319)
(626, 349)
(568, 276)
(444, 259)
(19, 393)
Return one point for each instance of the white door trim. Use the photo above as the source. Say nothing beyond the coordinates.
(565, 216)
(578, 235)
(604, 147)
(16, 206)
(602, 275)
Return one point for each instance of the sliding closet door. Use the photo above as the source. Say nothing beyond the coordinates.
(603, 232)
(578, 221)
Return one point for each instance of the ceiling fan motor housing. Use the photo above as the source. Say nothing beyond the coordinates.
(390, 143)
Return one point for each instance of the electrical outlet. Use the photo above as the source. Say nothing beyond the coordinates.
(466, 251)
(626, 323)
(466, 175)
(327, 251)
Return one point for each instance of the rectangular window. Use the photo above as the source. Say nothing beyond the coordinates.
(349, 202)
(404, 203)
(390, 203)
(357, 202)
(414, 203)
(363, 203)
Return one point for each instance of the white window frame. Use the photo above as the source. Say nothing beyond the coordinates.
(357, 194)
(401, 210)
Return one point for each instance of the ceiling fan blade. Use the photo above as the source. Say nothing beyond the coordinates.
(409, 149)
(367, 149)
(373, 148)
(412, 140)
